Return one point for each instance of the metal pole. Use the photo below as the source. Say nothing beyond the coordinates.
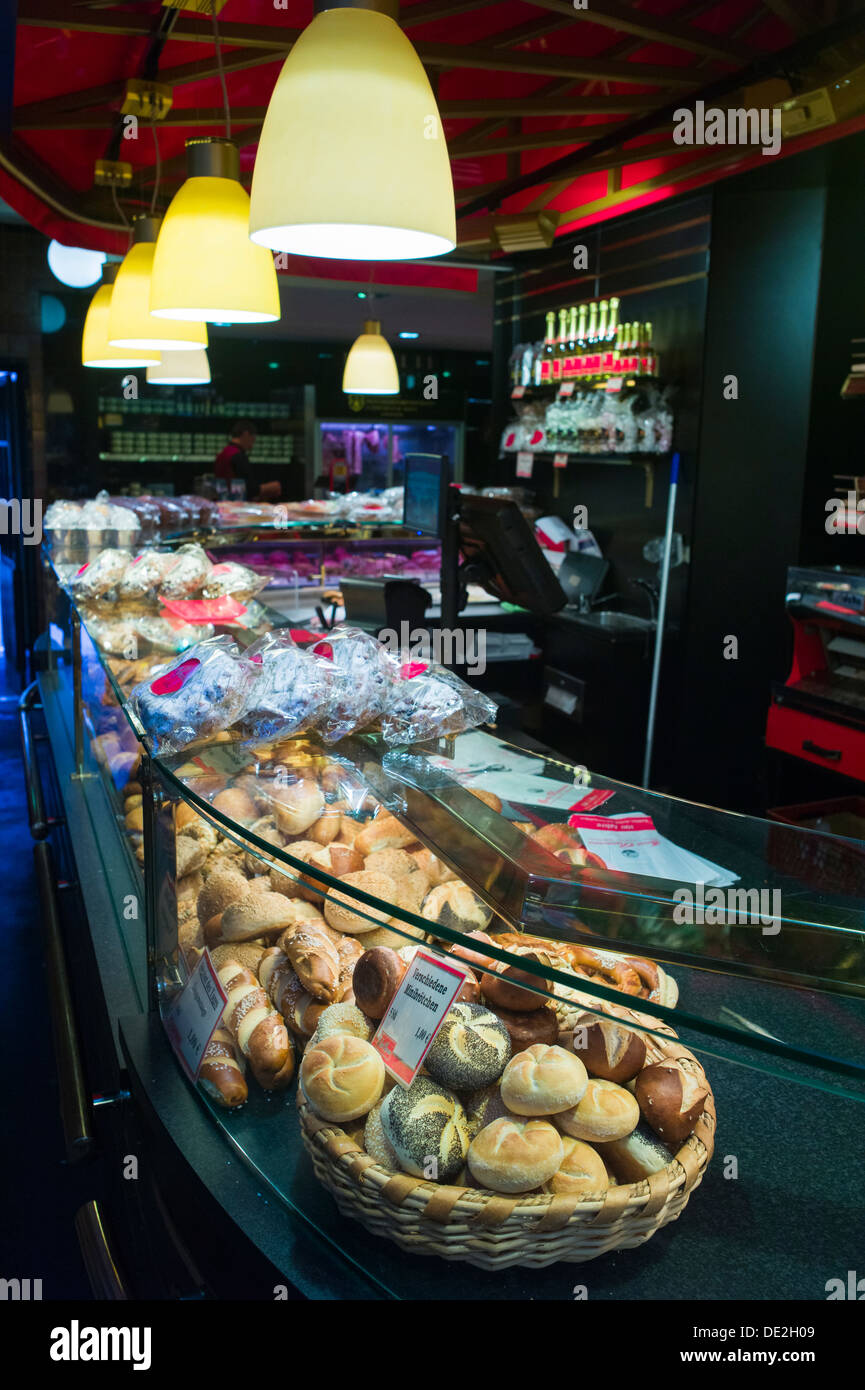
(662, 613)
(77, 704)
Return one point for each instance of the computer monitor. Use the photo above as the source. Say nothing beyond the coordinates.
(425, 480)
(501, 553)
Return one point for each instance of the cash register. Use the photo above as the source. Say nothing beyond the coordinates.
(818, 713)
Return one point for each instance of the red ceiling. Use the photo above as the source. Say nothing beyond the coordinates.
(52, 61)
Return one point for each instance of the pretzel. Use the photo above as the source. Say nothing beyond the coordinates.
(648, 973)
(589, 963)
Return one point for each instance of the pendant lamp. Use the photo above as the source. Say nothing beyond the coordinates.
(95, 349)
(370, 368)
(188, 367)
(352, 161)
(205, 268)
(131, 324)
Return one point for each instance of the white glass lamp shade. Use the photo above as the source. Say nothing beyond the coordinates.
(205, 268)
(352, 161)
(188, 367)
(370, 368)
(131, 324)
(74, 265)
(95, 348)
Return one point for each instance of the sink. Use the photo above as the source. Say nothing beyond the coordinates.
(616, 622)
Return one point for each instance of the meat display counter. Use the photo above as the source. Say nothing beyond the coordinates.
(694, 978)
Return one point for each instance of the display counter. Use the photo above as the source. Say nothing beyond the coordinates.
(724, 955)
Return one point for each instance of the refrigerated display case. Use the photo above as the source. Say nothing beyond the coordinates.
(352, 456)
(732, 947)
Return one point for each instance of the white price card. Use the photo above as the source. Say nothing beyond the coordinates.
(416, 1012)
(195, 1015)
(525, 464)
(560, 460)
(518, 393)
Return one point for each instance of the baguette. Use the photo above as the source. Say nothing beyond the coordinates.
(256, 1027)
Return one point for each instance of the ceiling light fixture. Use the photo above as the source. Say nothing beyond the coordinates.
(205, 268)
(95, 348)
(74, 266)
(352, 162)
(186, 367)
(370, 368)
(409, 335)
(131, 324)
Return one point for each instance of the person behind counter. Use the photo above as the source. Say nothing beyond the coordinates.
(233, 464)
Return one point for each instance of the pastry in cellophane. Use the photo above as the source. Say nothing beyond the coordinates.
(291, 687)
(171, 634)
(361, 684)
(199, 695)
(238, 581)
(188, 574)
(429, 701)
(101, 575)
(144, 574)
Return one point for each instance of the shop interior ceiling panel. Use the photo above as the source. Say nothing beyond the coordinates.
(547, 109)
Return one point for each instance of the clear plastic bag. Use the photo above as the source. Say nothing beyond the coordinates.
(144, 574)
(188, 574)
(98, 576)
(171, 634)
(361, 682)
(198, 695)
(231, 578)
(291, 688)
(429, 701)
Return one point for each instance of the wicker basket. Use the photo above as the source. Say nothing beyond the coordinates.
(494, 1231)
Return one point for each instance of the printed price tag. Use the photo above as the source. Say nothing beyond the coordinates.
(195, 1015)
(560, 460)
(613, 384)
(566, 389)
(417, 1011)
(590, 802)
(518, 393)
(525, 464)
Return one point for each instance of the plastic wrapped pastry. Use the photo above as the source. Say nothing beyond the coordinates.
(362, 680)
(231, 578)
(171, 634)
(187, 574)
(114, 635)
(98, 576)
(145, 573)
(429, 701)
(197, 696)
(291, 687)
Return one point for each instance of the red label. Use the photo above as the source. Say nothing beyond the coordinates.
(205, 610)
(324, 649)
(302, 634)
(411, 669)
(137, 560)
(82, 569)
(589, 802)
(626, 826)
(174, 680)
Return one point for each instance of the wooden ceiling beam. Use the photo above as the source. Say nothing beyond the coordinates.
(544, 106)
(551, 65)
(427, 11)
(532, 140)
(624, 18)
(177, 118)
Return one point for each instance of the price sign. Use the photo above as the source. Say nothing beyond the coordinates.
(566, 389)
(417, 1011)
(525, 464)
(560, 460)
(518, 393)
(615, 383)
(195, 1015)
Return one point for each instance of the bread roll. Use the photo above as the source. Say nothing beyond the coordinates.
(255, 914)
(315, 961)
(435, 870)
(484, 1106)
(342, 911)
(609, 1049)
(343, 1018)
(236, 805)
(469, 1050)
(582, 1173)
(298, 806)
(529, 1026)
(606, 1112)
(543, 1081)
(637, 1156)
(342, 1077)
(325, 830)
(256, 1027)
(515, 1155)
(223, 887)
(488, 798)
(671, 1099)
(427, 1127)
(394, 862)
(300, 914)
(475, 955)
(505, 989)
(411, 890)
(376, 1142)
(246, 953)
(189, 854)
(383, 832)
(376, 979)
(396, 934)
(454, 905)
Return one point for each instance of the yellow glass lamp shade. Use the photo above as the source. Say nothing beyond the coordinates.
(95, 348)
(205, 268)
(352, 161)
(130, 323)
(188, 367)
(370, 368)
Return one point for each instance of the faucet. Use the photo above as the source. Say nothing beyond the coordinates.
(651, 594)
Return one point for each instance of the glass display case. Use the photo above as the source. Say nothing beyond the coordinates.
(353, 455)
(659, 944)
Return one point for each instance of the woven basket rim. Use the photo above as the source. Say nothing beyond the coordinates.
(685, 1167)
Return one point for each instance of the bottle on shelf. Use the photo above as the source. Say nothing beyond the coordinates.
(561, 345)
(602, 321)
(581, 327)
(549, 347)
(612, 320)
(592, 334)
